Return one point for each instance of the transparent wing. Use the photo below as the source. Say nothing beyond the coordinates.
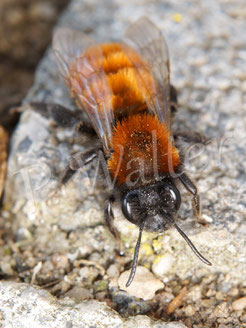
(67, 45)
(80, 62)
(147, 39)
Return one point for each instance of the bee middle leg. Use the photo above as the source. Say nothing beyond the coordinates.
(78, 161)
(109, 217)
(191, 187)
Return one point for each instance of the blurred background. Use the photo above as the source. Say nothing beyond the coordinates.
(22, 47)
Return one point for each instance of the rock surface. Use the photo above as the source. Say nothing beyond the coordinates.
(207, 48)
(25, 306)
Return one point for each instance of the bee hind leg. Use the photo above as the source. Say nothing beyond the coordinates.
(109, 217)
(191, 137)
(63, 117)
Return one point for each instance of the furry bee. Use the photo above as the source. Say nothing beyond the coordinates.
(125, 90)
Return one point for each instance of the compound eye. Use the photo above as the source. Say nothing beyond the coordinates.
(175, 196)
(126, 203)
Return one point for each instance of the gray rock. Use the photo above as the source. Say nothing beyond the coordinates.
(207, 47)
(24, 306)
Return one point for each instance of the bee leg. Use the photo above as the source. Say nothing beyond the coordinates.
(196, 202)
(173, 99)
(109, 217)
(78, 161)
(191, 137)
(60, 114)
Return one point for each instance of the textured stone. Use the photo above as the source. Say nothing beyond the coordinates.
(24, 306)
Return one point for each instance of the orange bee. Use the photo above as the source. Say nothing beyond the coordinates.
(125, 90)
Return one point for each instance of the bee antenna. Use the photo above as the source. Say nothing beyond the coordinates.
(198, 254)
(135, 258)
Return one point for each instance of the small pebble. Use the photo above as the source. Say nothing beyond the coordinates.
(144, 284)
(194, 293)
(23, 234)
(62, 287)
(31, 262)
(101, 296)
(164, 297)
(60, 261)
(95, 257)
(239, 304)
(47, 267)
(243, 318)
(100, 285)
(207, 303)
(206, 218)
(219, 295)
(84, 273)
(221, 310)
(162, 264)
(211, 292)
(79, 293)
(113, 283)
(7, 269)
(189, 310)
(113, 271)
(233, 292)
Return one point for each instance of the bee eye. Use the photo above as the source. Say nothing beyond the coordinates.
(175, 196)
(126, 206)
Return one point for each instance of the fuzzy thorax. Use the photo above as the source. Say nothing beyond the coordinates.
(142, 148)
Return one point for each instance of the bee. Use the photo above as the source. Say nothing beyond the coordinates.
(125, 90)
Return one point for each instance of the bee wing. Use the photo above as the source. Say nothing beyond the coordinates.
(148, 40)
(86, 79)
(68, 44)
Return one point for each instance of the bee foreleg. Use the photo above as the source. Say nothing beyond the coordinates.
(77, 161)
(109, 217)
(191, 187)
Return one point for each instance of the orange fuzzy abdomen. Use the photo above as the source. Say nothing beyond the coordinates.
(142, 150)
(114, 80)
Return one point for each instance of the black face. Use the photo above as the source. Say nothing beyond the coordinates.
(153, 206)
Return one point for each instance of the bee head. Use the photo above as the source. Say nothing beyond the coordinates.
(154, 206)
